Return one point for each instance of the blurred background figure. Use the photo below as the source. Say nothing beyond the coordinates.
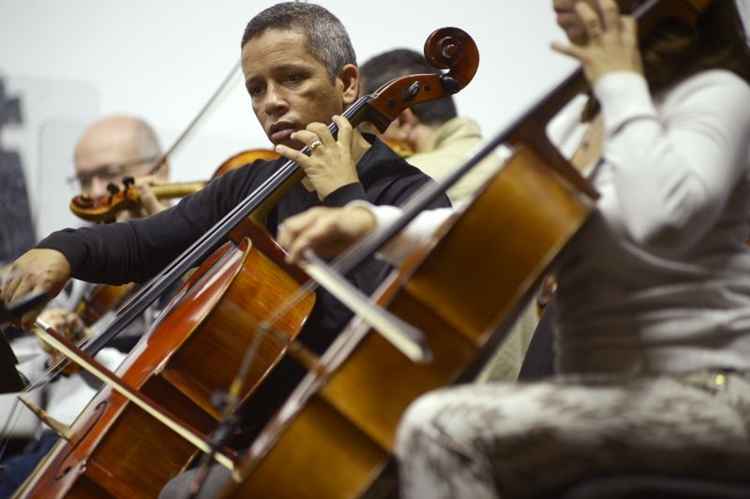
(110, 149)
(117, 147)
(431, 135)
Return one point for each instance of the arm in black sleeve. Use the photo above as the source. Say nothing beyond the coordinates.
(135, 251)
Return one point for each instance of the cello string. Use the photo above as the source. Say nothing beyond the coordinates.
(14, 419)
(51, 371)
(5, 435)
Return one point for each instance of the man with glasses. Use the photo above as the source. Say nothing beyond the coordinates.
(117, 147)
(110, 149)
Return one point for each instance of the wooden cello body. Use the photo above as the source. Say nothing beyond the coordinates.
(114, 448)
(440, 291)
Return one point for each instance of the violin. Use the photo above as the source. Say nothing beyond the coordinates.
(104, 209)
(117, 449)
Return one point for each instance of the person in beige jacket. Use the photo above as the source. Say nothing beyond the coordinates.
(436, 140)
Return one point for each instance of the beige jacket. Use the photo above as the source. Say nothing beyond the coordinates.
(454, 143)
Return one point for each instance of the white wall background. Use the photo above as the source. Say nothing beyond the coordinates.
(163, 59)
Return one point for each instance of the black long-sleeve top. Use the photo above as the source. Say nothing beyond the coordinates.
(137, 250)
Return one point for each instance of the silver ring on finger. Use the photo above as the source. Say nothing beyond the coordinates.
(314, 145)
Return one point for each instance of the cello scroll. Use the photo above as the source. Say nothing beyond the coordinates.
(447, 48)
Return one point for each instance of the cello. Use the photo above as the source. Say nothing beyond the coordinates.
(348, 409)
(196, 347)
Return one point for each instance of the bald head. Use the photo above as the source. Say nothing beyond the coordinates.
(110, 142)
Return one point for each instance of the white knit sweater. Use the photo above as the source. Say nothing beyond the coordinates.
(659, 279)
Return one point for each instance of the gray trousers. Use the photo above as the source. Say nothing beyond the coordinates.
(524, 440)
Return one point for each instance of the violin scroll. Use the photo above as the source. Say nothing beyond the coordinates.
(104, 209)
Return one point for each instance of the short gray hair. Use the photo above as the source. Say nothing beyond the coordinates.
(328, 40)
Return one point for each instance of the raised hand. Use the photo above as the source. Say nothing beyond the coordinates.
(603, 41)
(36, 271)
(331, 163)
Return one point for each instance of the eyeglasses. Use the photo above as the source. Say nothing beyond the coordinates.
(109, 172)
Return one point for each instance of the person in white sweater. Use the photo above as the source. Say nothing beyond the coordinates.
(653, 345)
